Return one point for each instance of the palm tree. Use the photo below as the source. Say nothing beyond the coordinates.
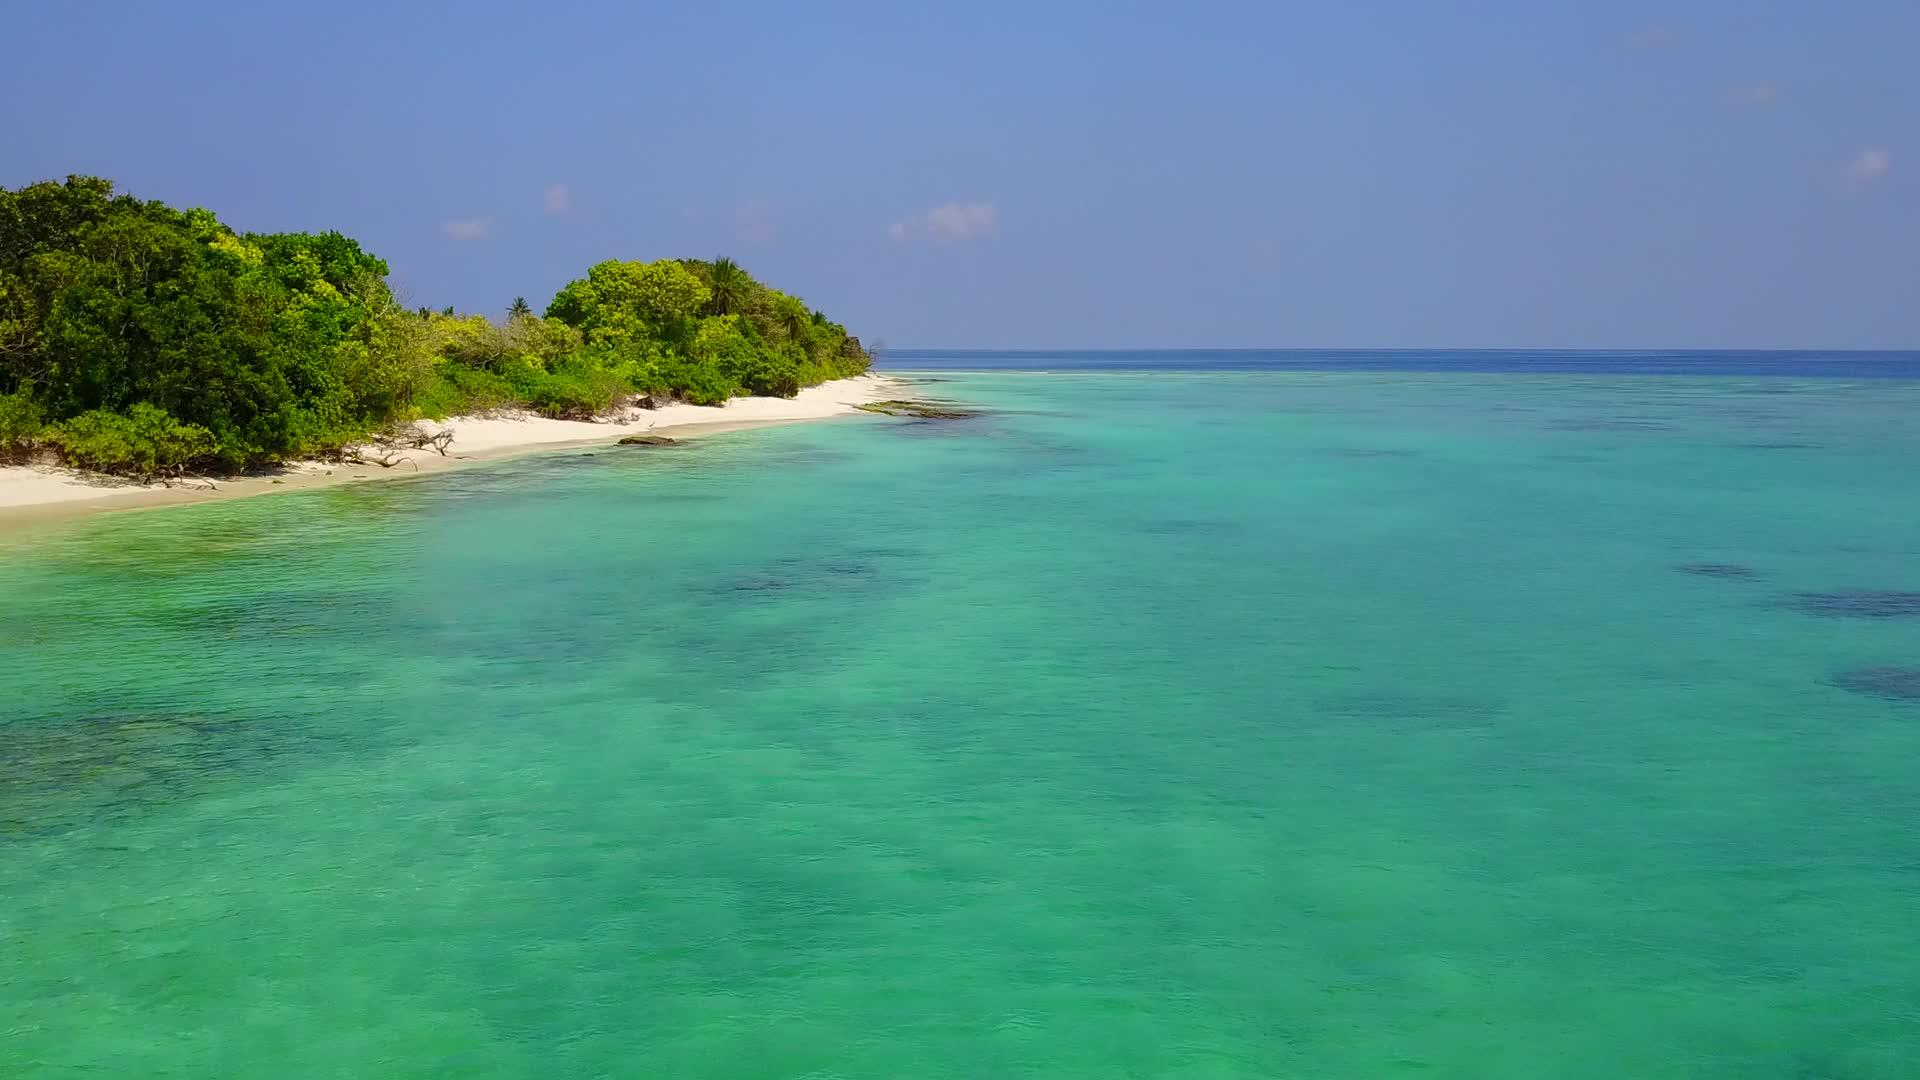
(791, 316)
(730, 286)
(519, 310)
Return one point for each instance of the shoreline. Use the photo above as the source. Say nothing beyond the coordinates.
(36, 495)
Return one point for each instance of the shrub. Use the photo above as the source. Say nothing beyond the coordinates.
(455, 389)
(776, 371)
(574, 392)
(144, 441)
(438, 398)
(694, 382)
(21, 423)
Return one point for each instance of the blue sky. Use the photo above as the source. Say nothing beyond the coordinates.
(1741, 174)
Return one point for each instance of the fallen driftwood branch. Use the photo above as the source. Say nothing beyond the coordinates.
(193, 483)
(387, 459)
(389, 448)
(415, 439)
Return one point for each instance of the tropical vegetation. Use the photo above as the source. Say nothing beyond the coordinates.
(137, 338)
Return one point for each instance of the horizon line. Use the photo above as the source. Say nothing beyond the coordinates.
(884, 348)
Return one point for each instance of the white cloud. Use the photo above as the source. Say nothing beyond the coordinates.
(1753, 97)
(948, 221)
(467, 228)
(557, 199)
(958, 220)
(1873, 163)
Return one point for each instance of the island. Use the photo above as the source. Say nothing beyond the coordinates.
(142, 341)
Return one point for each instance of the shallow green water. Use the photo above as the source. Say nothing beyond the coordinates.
(1263, 725)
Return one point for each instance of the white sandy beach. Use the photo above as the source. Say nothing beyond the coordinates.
(31, 493)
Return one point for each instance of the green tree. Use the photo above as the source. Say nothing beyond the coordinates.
(731, 287)
(142, 338)
(263, 341)
(623, 302)
(788, 315)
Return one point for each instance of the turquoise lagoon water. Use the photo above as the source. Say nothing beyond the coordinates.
(1203, 724)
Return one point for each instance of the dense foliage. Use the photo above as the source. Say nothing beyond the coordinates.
(702, 331)
(142, 339)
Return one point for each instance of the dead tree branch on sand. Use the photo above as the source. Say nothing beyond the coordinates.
(413, 438)
(387, 459)
(389, 447)
(191, 483)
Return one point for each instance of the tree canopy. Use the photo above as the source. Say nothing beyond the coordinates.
(138, 338)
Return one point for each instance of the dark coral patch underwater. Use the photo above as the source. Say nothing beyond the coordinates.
(1859, 604)
(1892, 683)
(1731, 571)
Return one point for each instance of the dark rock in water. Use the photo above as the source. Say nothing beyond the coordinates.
(648, 440)
(1718, 570)
(1860, 604)
(1891, 683)
(919, 410)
